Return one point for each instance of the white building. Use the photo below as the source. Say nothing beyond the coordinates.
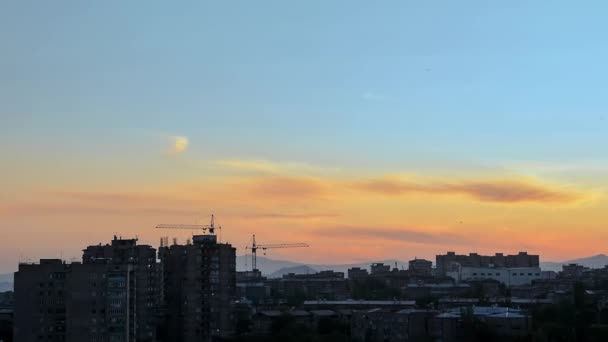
(508, 276)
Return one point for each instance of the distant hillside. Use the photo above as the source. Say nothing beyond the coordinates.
(302, 269)
(266, 265)
(6, 286)
(365, 265)
(269, 266)
(596, 261)
(6, 282)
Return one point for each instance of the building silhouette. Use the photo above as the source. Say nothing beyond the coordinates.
(40, 308)
(142, 277)
(444, 263)
(110, 296)
(420, 267)
(198, 289)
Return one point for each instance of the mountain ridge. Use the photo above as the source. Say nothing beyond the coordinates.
(269, 266)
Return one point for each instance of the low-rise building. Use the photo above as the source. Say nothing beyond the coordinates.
(573, 271)
(251, 285)
(379, 268)
(416, 291)
(350, 304)
(508, 276)
(328, 285)
(357, 273)
(382, 325)
(500, 321)
(444, 263)
(420, 267)
(263, 321)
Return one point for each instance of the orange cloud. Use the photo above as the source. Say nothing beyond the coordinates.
(62, 209)
(288, 187)
(417, 236)
(503, 191)
(171, 203)
(260, 166)
(300, 216)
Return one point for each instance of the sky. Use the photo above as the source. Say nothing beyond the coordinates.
(370, 130)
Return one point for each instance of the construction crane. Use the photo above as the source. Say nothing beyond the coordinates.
(254, 248)
(210, 227)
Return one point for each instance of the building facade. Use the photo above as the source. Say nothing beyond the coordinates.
(380, 268)
(198, 289)
(357, 272)
(110, 296)
(420, 267)
(327, 285)
(101, 303)
(40, 308)
(446, 262)
(143, 276)
(515, 276)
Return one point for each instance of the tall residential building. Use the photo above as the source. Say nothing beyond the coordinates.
(445, 262)
(109, 297)
(198, 289)
(40, 308)
(101, 303)
(144, 282)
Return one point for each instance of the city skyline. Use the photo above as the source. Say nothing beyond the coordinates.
(370, 132)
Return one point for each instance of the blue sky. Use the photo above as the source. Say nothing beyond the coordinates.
(516, 80)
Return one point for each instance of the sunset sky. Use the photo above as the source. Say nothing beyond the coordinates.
(370, 130)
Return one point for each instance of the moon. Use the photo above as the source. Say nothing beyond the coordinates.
(179, 145)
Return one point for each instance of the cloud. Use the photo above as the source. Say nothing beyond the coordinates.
(290, 187)
(302, 216)
(303, 180)
(111, 197)
(395, 234)
(504, 191)
(178, 145)
(74, 209)
(52, 203)
(255, 165)
(374, 97)
(270, 167)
